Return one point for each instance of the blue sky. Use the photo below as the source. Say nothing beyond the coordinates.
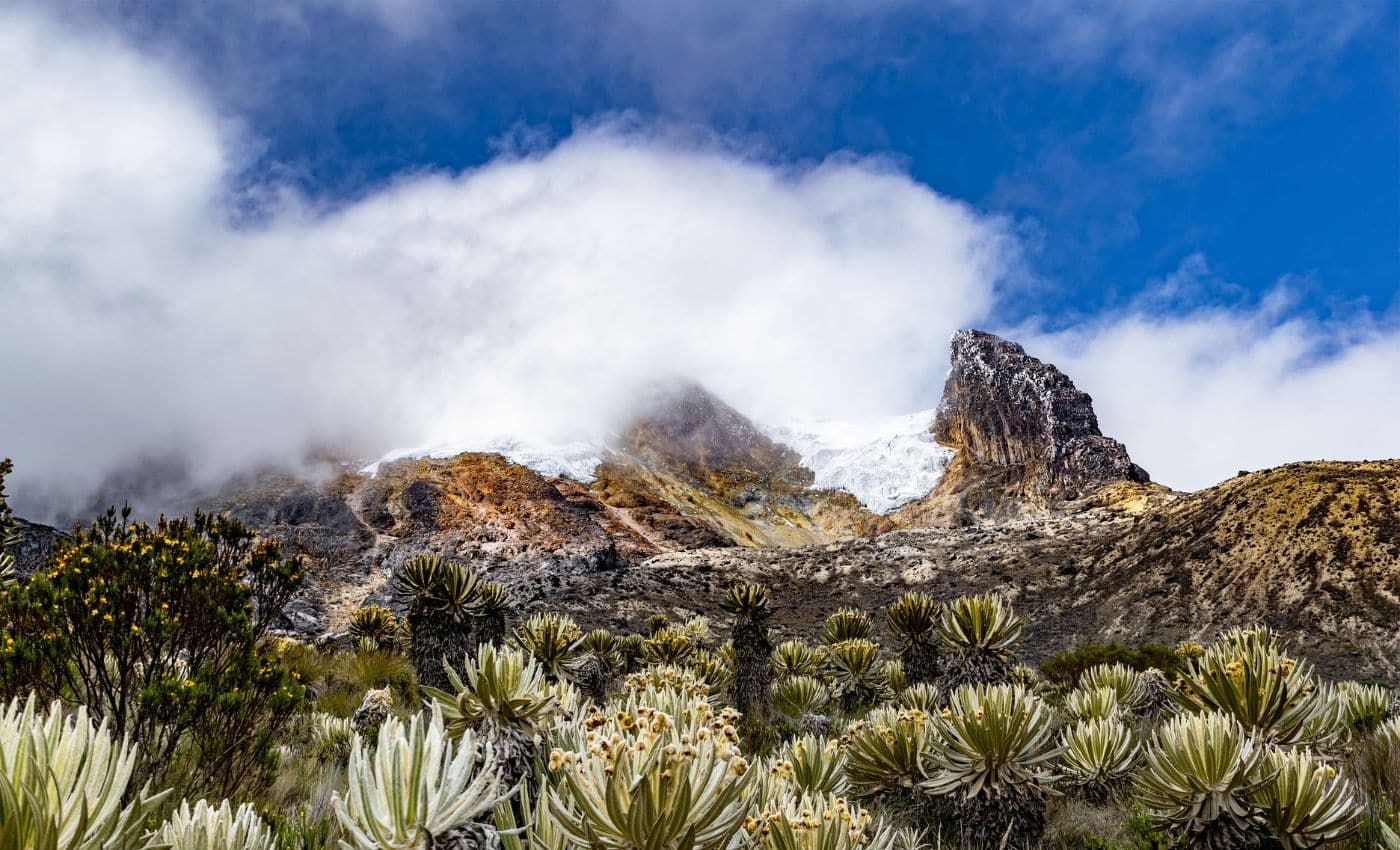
(1120, 138)
(360, 225)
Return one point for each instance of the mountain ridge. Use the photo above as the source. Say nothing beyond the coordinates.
(1035, 503)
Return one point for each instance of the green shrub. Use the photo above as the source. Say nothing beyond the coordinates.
(1065, 668)
(159, 630)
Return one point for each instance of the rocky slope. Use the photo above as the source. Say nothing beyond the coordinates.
(689, 454)
(1312, 549)
(688, 472)
(1035, 503)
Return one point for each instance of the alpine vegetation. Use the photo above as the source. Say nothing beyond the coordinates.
(456, 727)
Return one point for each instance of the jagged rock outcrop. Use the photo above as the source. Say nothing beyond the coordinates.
(1026, 439)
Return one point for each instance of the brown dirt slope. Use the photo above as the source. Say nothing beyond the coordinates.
(1312, 549)
(1309, 548)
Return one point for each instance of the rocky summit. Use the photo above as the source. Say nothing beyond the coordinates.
(1025, 438)
(1036, 504)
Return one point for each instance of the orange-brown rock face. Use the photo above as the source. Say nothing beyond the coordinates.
(354, 531)
(689, 472)
(690, 467)
(486, 508)
(1310, 549)
(1026, 438)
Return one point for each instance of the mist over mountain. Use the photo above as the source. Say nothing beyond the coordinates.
(181, 323)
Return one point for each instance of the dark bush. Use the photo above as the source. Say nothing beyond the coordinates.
(1064, 669)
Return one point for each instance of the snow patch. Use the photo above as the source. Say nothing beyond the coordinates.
(885, 461)
(576, 459)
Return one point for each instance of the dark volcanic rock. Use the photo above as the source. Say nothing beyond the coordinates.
(1026, 437)
(35, 543)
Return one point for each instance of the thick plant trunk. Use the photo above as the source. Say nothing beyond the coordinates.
(594, 678)
(922, 663)
(473, 836)
(436, 639)
(1008, 821)
(753, 673)
(974, 667)
(488, 628)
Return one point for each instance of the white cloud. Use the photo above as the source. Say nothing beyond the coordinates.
(1198, 396)
(530, 295)
(527, 295)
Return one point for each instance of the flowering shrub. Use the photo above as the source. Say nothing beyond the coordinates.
(159, 630)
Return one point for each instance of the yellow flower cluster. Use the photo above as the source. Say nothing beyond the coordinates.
(636, 730)
(813, 820)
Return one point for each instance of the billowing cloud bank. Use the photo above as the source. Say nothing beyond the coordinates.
(529, 295)
(149, 312)
(1199, 396)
